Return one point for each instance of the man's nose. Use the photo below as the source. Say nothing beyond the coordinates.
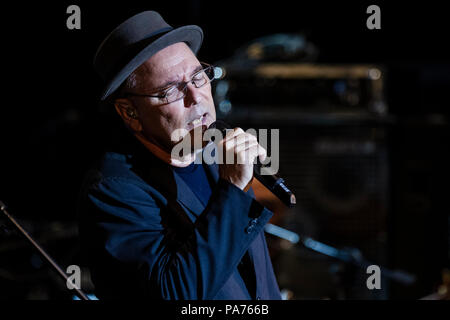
(193, 95)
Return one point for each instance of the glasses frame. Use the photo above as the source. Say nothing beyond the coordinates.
(182, 84)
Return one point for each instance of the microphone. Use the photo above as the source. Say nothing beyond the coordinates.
(272, 182)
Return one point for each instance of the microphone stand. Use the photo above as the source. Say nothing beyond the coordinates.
(44, 254)
(351, 256)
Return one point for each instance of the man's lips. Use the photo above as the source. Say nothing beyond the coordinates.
(200, 120)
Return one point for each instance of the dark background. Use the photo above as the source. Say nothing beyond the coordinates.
(51, 128)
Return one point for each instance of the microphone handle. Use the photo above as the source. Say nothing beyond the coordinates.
(276, 185)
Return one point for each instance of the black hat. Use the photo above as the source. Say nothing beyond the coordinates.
(136, 40)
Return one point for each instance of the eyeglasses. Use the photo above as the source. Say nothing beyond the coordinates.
(178, 91)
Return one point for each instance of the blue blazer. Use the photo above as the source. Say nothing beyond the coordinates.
(145, 234)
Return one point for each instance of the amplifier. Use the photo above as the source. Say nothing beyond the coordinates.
(293, 91)
(333, 153)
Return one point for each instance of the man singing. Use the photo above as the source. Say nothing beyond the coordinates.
(157, 226)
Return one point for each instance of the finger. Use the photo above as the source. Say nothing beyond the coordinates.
(245, 146)
(229, 135)
(262, 153)
(232, 133)
(241, 139)
(248, 155)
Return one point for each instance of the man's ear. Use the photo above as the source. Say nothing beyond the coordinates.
(128, 113)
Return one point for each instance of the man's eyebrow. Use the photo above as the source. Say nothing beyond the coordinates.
(165, 85)
(200, 67)
(173, 82)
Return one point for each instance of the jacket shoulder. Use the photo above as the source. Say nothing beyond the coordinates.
(113, 166)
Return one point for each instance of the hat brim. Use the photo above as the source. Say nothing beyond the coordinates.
(191, 35)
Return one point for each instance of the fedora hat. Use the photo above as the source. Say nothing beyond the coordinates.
(136, 40)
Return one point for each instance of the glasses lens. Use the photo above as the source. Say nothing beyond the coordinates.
(200, 79)
(176, 94)
(203, 77)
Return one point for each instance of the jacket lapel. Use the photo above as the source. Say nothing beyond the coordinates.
(212, 170)
(187, 198)
(171, 185)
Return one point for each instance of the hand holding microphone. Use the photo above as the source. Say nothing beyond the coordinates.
(243, 148)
